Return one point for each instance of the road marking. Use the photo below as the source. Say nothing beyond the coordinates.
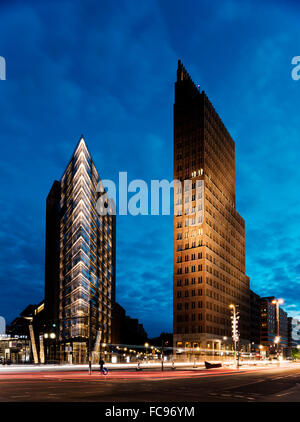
(15, 397)
(284, 394)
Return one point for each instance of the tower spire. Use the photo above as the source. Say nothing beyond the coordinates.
(183, 75)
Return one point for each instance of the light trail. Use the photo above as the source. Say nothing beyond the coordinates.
(126, 375)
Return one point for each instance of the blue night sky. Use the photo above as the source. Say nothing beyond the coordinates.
(107, 69)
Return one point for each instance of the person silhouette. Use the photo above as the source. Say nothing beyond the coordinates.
(101, 363)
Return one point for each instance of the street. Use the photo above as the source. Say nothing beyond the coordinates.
(247, 384)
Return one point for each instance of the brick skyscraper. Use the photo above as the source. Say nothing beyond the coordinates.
(209, 241)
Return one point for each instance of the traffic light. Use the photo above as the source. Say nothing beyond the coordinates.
(235, 324)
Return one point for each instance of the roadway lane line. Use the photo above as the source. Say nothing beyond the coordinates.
(284, 394)
(17, 397)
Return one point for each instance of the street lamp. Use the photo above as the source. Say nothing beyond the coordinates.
(251, 344)
(146, 345)
(49, 345)
(235, 333)
(277, 302)
(225, 339)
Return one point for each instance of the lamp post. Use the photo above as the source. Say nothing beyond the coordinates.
(162, 354)
(147, 345)
(251, 344)
(163, 343)
(235, 334)
(277, 302)
(102, 348)
(276, 343)
(90, 337)
(48, 337)
(224, 340)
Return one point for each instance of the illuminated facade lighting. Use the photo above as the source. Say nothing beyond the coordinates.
(80, 257)
(208, 232)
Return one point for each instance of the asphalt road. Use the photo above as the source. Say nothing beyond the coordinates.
(272, 384)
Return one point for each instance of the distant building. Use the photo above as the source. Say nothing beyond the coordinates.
(33, 314)
(2, 325)
(80, 260)
(294, 332)
(133, 331)
(254, 318)
(268, 326)
(165, 339)
(118, 316)
(127, 330)
(22, 342)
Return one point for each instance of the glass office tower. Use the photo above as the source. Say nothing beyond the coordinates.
(80, 260)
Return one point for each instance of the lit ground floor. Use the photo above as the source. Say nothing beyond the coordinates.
(198, 343)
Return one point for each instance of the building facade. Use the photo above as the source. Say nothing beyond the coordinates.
(25, 335)
(80, 260)
(2, 325)
(15, 349)
(293, 332)
(209, 234)
(254, 319)
(127, 330)
(268, 326)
